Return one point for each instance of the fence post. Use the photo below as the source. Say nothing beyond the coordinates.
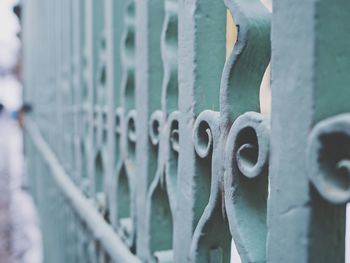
(308, 175)
(149, 77)
(201, 54)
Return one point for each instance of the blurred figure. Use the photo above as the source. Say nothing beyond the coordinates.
(3, 112)
(20, 114)
(20, 238)
(26, 108)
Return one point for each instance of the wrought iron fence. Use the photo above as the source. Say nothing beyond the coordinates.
(147, 144)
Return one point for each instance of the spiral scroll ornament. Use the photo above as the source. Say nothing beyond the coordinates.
(246, 186)
(206, 129)
(206, 245)
(155, 125)
(328, 158)
(247, 145)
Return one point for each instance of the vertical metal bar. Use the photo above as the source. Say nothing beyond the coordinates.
(114, 25)
(309, 87)
(124, 210)
(201, 58)
(149, 75)
(110, 100)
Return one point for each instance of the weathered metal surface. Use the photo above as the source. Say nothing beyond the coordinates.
(309, 86)
(201, 59)
(164, 136)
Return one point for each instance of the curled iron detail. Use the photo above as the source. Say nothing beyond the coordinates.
(328, 158)
(247, 146)
(206, 128)
(246, 185)
(131, 125)
(119, 113)
(155, 126)
(105, 115)
(173, 121)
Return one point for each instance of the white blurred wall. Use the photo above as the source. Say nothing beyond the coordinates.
(9, 43)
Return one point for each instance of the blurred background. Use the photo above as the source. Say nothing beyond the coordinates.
(20, 239)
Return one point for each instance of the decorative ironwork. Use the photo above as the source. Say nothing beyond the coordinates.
(148, 144)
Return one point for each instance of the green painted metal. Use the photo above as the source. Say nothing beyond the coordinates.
(309, 90)
(147, 144)
(200, 67)
(75, 207)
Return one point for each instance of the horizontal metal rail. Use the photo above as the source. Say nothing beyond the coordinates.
(100, 229)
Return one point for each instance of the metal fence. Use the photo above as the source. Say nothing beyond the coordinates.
(147, 144)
